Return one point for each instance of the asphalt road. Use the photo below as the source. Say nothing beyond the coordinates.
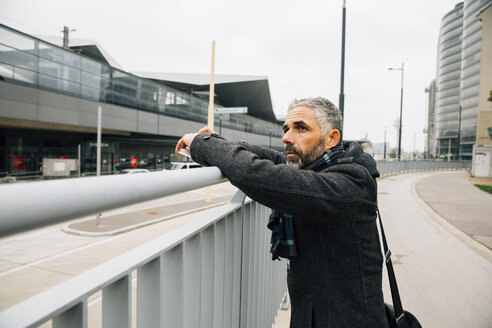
(442, 280)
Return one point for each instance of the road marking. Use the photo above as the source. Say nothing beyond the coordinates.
(25, 266)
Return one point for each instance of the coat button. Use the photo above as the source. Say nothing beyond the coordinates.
(206, 137)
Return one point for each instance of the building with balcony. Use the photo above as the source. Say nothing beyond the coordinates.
(50, 94)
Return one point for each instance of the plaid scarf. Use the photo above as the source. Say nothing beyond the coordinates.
(282, 224)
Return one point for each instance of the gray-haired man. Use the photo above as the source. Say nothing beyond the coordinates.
(324, 197)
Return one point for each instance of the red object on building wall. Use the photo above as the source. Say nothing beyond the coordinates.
(65, 157)
(134, 161)
(17, 162)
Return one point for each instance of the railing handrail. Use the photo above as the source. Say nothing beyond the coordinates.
(62, 200)
(52, 302)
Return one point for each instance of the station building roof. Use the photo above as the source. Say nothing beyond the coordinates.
(230, 90)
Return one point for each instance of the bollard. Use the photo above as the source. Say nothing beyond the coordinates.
(98, 219)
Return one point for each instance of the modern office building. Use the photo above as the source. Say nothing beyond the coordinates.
(50, 94)
(448, 81)
(458, 80)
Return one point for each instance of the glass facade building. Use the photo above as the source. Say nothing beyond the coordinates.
(457, 81)
(470, 73)
(32, 62)
(448, 81)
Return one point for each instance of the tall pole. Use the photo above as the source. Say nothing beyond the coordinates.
(341, 98)
(459, 135)
(211, 111)
(401, 113)
(384, 156)
(98, 155)
(210, 124)
(401, 106)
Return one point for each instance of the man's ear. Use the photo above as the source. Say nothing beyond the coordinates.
(332, 138)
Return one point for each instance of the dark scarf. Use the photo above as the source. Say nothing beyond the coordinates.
(282, 224)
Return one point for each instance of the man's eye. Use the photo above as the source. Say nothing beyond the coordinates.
(302, 128)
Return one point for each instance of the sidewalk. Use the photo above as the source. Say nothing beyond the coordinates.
(454, 197)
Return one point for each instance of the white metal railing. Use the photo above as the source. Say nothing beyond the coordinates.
(213, 272)
(392, 167)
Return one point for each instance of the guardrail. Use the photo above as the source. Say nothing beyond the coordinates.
(395, 167)
(213, 272)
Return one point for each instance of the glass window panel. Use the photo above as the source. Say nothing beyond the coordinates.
(25, 75)
(6, 71)
(91, 80)
(17, 58)
(92, 66)
(17, 40)
(90, 93)
(48, 67)
(48, 82)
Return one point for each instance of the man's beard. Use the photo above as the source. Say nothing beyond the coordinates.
(305, 159)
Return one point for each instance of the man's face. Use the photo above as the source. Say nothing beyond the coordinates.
(302, 137)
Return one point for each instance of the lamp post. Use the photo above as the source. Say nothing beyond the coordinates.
(401, 105)
(341, 97)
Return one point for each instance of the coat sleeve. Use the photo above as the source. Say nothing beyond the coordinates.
(305, 194)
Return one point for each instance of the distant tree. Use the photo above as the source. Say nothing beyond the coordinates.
(490, 95)
(392, 153)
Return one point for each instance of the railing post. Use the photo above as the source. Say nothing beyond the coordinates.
(148, 294)
(207, 277)
(172, 310)
(219, 273)
(116, 304)
(75, 317)
(191, 282)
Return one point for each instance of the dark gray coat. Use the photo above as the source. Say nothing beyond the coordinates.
(335, 281)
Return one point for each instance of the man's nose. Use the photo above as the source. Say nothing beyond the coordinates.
(287, 138)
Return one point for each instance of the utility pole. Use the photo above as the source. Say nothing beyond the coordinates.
(459, 134)
(66, 32)
(384, 156)
(401, 106)
(341, 98)
(211, 112)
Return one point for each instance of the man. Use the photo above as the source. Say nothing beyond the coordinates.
(324, 197)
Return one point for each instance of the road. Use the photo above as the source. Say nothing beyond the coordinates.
(442, 280)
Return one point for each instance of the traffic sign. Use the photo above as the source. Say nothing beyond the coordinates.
(231, 110)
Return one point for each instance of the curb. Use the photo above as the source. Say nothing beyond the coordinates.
(71, 231)
(478, 247)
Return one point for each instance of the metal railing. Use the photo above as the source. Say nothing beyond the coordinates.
(395, 167)
(213, 272)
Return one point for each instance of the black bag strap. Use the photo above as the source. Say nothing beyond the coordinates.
(395, 295)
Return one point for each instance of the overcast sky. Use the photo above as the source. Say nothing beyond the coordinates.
(296, 44)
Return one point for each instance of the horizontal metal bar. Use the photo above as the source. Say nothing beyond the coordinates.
(25, 206)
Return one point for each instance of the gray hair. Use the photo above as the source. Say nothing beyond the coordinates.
(327, 114)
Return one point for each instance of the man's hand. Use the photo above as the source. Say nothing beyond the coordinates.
(187, 139)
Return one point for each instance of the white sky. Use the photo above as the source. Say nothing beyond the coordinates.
(297, 44)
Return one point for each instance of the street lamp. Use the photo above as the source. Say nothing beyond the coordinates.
(401, 105)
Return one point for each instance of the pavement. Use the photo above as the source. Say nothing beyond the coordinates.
(460, 206)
